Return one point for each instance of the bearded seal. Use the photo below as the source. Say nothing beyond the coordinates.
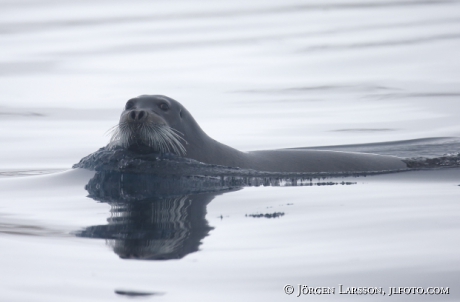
(157, 123)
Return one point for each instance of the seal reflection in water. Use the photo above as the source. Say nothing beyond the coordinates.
(156, 123)
(161, 217)
(152, 217)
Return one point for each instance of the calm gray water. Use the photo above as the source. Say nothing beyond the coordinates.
(369, 76)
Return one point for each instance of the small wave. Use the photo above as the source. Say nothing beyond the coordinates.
(449, 160)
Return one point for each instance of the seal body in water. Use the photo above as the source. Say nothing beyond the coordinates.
(156, 123)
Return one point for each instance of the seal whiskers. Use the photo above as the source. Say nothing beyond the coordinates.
(161, 138)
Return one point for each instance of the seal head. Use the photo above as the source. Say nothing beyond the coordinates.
(144, 126)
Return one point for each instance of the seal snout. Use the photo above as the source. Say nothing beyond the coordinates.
(137, 116)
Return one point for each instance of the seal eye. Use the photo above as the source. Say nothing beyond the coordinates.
(129, 105)
(164, 106)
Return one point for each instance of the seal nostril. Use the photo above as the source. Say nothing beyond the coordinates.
(132, 115)
(141, 115)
